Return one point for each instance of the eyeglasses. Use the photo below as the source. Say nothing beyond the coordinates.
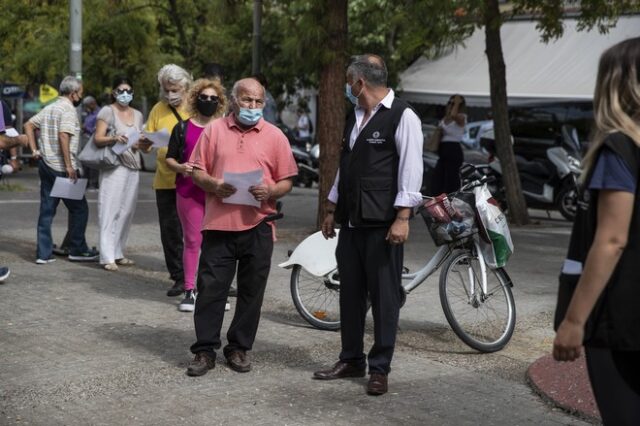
(121, 91)
(205, 98)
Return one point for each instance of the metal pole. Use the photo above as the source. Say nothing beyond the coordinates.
(257, 24)
(75, 38)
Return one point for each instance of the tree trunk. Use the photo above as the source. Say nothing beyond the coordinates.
(497, 74)
(331, 103)
(186, 45)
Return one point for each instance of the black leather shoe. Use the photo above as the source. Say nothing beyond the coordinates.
(377, 384)
(176, 290)
(201, 364)
(340, 370)
(239, 361)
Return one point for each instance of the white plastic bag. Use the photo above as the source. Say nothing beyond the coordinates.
(496, 244)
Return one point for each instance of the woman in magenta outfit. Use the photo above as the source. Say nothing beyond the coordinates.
(205, 102)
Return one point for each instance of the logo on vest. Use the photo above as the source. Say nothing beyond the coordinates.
(375, 139)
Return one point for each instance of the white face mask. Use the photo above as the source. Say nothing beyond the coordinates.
(174, 98)
(124, 99)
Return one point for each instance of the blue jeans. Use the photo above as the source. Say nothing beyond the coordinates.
(78, 216)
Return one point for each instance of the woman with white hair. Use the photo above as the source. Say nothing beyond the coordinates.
(174, 83)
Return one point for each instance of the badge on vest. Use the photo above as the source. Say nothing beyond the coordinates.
(375, 139)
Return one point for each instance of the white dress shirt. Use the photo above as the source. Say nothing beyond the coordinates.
(409, 141)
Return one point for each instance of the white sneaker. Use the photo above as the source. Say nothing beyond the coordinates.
(188, 304)
(45, 261)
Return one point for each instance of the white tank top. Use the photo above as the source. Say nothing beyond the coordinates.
(452, 132)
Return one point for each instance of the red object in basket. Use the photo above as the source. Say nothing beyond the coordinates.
(437, 209)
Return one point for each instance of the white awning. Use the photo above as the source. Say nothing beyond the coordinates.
(564, 69)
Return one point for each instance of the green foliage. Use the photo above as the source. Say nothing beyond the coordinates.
(119, 43)
(137, 37)
(401, 31)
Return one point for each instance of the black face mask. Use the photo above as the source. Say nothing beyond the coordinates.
(206, 108)
(76, 103)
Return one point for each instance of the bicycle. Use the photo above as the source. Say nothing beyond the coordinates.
(477, 301)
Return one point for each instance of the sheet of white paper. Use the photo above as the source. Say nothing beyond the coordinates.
(132, 137)
(65, 188)
(11, 132)
(242, 182)
(159, 138)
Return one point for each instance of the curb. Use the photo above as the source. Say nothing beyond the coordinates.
(564, 385)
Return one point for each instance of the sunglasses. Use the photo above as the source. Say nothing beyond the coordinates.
(205, 98)
(121, 91)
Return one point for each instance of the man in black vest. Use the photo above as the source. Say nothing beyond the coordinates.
(376, 186)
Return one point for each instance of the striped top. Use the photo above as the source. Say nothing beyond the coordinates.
(58, 117)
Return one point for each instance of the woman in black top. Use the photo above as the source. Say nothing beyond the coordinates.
(603, 314)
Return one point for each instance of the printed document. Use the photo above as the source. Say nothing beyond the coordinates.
(159, 138)
(242, 182)
(133, 135)
(66, 188)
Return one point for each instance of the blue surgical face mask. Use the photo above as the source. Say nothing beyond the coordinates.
(349, 94)
(249, 116)
(124, 98)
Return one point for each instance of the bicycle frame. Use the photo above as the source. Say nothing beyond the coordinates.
(436, 261)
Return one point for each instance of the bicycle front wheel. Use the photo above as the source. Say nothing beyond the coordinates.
(317, 299)
(484, 321)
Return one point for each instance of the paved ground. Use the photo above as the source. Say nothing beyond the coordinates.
(79, 345)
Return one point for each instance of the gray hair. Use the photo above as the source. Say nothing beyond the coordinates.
(173, 74)
(69, 84)
(369, 67)
(88, 100)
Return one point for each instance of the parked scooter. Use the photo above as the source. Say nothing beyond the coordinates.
(308, 165)
(549, 183)
(307, 157)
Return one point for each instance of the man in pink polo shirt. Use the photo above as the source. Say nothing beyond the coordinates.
(234, 234)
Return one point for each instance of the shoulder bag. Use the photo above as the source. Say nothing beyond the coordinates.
(99, 158)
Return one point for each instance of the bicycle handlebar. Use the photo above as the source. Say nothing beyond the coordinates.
(275, 216)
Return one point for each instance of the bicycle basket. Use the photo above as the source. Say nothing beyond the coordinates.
(450, 218)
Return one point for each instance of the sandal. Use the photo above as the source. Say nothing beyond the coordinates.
(125, 262)
(110, 267)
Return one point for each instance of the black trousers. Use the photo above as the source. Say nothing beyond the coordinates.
(446, 176)
(614, 376)
(170, 232)
(369, 265)
(222, 252)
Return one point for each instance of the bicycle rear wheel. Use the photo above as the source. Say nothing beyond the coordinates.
(317, 299)
(484, 321)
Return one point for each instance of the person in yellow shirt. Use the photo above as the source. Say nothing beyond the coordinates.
(174, 83)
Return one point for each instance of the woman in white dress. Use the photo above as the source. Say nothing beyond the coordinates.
(118, 186)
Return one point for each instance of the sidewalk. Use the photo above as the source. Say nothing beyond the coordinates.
(80, 345)
(565, 385)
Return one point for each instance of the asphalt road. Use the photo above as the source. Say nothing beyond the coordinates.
(80, 345)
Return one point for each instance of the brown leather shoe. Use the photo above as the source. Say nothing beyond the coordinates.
(340, 370)
(239, 361)
(201, 364)
(377, 384)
